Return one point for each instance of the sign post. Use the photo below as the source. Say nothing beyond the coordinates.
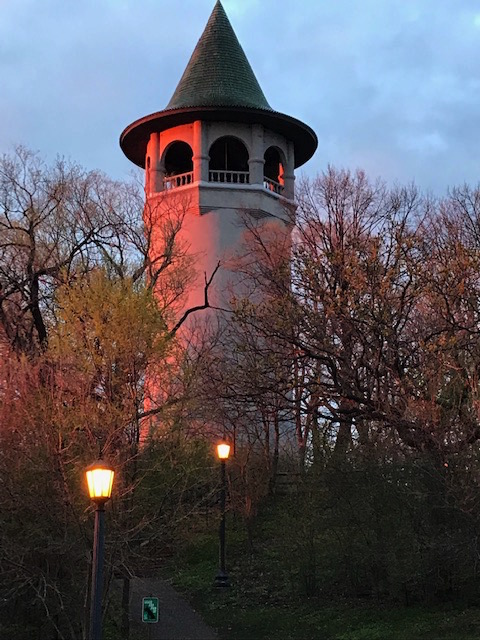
(150, 610)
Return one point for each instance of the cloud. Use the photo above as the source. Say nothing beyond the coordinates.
(384, 84)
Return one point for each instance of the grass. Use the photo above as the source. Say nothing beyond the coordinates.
(260, 607)
(314, 620)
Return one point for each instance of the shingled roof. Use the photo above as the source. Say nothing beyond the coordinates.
(218, 73)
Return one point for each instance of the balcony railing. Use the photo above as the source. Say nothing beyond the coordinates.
(180, 180)
(233, 177)
(230, 177)
(271, 185)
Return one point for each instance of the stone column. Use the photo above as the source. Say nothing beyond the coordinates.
(200, 156)
(151, 173)
(160, 168)
(256, 161)
(289, 173)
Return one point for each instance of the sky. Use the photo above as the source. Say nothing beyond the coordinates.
(389, 86)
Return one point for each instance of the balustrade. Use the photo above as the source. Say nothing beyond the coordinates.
(180, 180)
(229, 177)
(271, 185)
(233, 177)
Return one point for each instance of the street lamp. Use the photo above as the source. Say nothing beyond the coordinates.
(223, 451)
(100, 481)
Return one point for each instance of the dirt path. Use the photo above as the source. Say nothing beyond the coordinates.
(178, 621)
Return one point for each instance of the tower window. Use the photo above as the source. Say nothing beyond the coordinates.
(273, 170)
(178, 165)
(228, 161)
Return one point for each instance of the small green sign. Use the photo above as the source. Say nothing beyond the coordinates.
(150, 610)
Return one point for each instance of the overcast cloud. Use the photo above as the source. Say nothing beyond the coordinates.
(391, 86)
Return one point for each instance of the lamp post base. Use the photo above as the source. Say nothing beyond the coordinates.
(221, 580)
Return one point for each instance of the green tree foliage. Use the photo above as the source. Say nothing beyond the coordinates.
(86, 391)
(377, 312)
(364, 343)
(346, 377)
(81, 332)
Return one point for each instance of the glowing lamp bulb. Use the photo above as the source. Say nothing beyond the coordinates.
(223, 451)
(100, 481)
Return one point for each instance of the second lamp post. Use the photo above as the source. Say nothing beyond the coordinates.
(100, 481)
(221, 580)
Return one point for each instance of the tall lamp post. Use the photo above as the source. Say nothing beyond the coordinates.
(100, 482)
(223, 452)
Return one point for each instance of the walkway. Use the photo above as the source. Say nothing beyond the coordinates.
(178, 621)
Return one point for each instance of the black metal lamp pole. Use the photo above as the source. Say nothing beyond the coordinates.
(221, 579)
(97, 574)
(100, 481)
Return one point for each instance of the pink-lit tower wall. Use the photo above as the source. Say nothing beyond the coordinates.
(221, 151)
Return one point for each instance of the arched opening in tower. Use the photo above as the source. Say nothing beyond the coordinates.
(178, 164)
(273, 170)
(228, 161)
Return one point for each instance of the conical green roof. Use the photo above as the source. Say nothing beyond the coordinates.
(218, 73)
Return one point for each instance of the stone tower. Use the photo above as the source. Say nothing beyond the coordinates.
(219, 147)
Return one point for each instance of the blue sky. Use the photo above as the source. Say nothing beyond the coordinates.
(390, 86)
